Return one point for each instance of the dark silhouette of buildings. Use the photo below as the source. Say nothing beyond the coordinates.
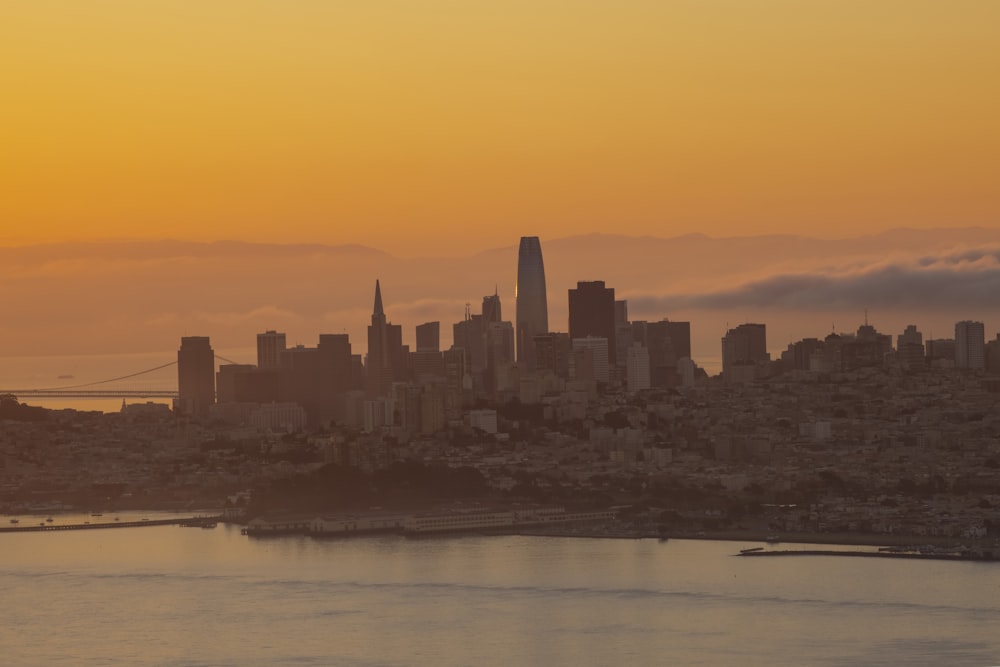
(195, 375)
(532, 306)
(552, 353)
(488, 345)
(592, 314)
(244, 383)
(667, 342)
(940, 352)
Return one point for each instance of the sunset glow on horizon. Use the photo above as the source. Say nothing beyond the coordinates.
(445, 125)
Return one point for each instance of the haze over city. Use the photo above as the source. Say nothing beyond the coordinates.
(438, 134)
(766, 326)
(127, 297)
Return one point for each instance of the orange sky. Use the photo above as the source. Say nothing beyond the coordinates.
(415, 125)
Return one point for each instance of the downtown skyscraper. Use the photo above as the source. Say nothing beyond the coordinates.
(532, 306)
(385, 348)
(195, 375)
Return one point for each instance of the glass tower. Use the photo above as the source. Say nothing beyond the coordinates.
(529, 293)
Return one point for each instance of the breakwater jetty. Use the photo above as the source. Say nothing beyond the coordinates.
(195, 521)
(963, 555)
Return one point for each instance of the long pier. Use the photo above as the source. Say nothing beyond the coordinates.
(48, 528)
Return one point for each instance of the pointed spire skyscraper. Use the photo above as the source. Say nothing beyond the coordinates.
(378, 300)
(385, 350)
(532, 306)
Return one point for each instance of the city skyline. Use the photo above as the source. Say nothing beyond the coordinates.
(932, 278)
(319, 277)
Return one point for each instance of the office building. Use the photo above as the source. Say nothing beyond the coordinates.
(335, 375)
(623, 333)
(301, 380)
(637, 368)
(244, 383)
(744, 351)
(940, 352)
(552, 352)
(270, 345)
(970, 345)
(531, 305)
(195, 375)
(590, 359)
(491, 308)
(499, 351)
(429, 337)
(470, 336)
(592, 313)
(386, 354)
(910, 348)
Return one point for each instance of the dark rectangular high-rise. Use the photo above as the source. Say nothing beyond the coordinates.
(196, 375)
(429, 337)
(270, 345)
(470, 335)
(667, 342)
(592, 313)
(744, 346)
(491, 309)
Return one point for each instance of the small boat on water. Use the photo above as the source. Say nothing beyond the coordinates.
(96, 514)
(208, 526)
(50, 519)
(15, 521)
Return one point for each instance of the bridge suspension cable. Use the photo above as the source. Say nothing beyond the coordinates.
(228, 361)
(123, 377)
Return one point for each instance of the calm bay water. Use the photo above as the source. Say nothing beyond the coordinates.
(185, 596)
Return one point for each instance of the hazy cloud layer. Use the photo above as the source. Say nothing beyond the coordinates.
(963, 278)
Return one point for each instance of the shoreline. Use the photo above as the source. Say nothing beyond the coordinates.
(624, 531)
(841, 539)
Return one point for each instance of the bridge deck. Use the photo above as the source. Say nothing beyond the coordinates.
(97, 393)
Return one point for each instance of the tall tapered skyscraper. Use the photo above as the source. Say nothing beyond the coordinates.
(532, 307)
(385, 350)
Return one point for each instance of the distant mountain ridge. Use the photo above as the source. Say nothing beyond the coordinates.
(903, 237)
